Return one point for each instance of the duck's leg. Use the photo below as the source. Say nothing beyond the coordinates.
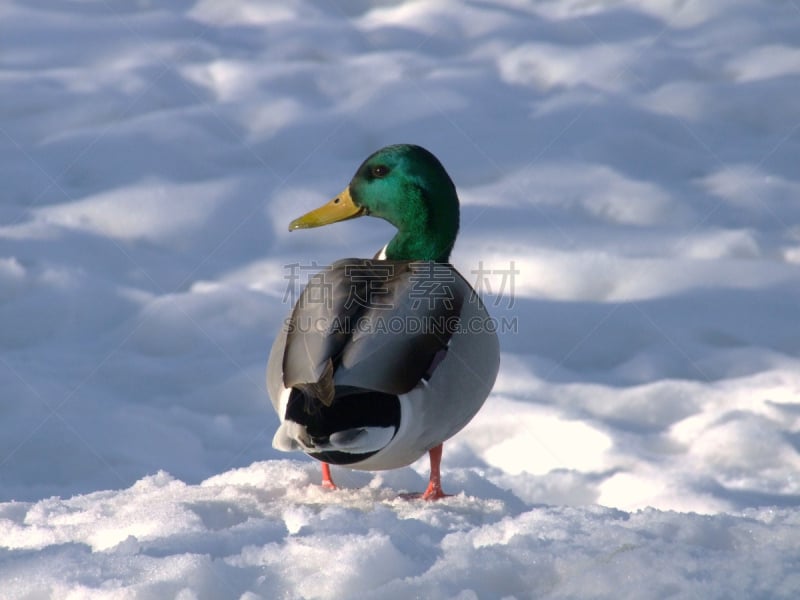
(327, 482)
(434, 491)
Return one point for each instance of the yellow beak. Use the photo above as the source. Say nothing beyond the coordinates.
(338, 209)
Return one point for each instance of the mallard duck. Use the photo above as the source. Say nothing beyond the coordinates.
(384, 359)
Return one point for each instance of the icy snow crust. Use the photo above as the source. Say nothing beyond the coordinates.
(637, 160)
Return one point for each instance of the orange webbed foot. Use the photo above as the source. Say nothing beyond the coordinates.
(434, 490)
(327, 481)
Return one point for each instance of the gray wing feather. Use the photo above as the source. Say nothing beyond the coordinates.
(380, 322)
(275, 368)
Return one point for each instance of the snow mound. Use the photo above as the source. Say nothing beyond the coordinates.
(265, 532)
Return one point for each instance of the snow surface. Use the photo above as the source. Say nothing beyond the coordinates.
(635, 159)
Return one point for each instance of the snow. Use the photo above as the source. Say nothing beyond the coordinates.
(628, 177)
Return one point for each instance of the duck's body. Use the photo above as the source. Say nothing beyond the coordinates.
(384, 359)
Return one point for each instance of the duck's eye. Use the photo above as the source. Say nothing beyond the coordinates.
(380, 171)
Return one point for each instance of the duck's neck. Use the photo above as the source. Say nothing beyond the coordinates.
(421, 245)
(425, 234)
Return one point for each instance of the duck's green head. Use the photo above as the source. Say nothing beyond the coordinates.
(407, 186)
